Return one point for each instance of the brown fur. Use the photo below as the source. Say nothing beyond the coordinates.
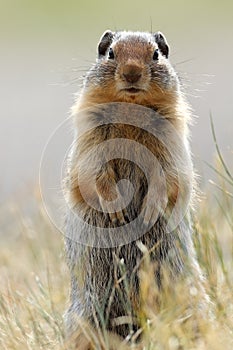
(97, 279)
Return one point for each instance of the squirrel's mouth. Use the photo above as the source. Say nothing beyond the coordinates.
(132, 90)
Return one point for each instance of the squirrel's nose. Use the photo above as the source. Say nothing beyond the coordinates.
(132, 73)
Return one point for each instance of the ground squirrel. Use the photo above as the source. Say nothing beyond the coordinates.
(132, 71)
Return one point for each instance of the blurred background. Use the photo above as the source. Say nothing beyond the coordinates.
(46, 46)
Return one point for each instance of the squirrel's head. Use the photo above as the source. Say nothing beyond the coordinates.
(133, 67)
(109, 36)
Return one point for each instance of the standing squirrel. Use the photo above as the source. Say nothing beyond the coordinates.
(132, 73)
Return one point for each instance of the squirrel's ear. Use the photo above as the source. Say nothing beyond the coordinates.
(162, 43)
(105, 42)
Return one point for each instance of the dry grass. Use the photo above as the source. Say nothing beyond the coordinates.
(34, 286)
(34, 283)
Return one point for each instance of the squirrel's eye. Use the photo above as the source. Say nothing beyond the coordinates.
(111, 54)
(156, 55)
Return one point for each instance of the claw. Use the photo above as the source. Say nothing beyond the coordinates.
(113, 218)
(119, 217)
(126, 216)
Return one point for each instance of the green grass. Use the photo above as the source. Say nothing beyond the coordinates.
(34, 284)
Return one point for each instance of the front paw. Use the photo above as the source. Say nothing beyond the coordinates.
(111, 200)
(153, 206)
(116, 216)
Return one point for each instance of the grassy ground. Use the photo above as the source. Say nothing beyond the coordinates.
(34, 284)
